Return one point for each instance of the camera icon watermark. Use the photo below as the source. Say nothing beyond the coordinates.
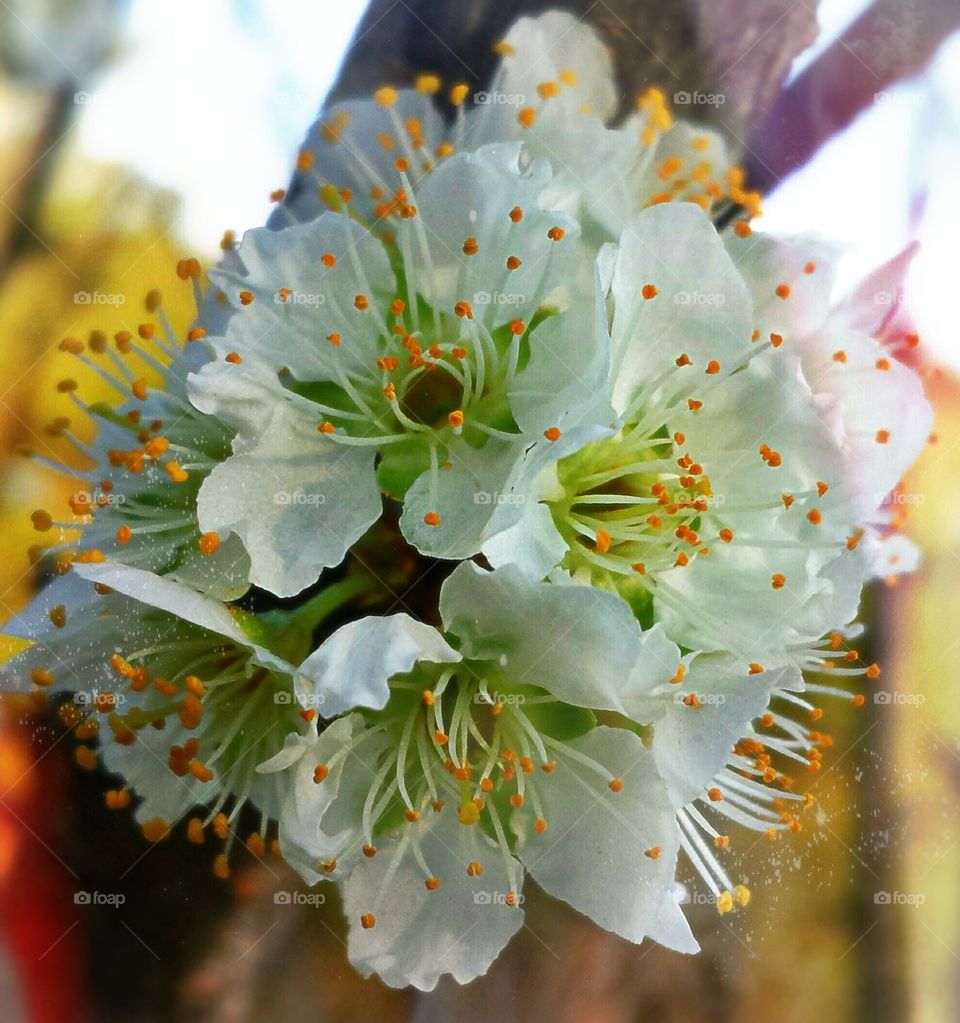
(499, 99)
(299, 497)
(98, 298)
(100, 700)
(496, 497)
(498, 898)
(287, 296)
(698, 700)
(291, 98)
(690, 898)
(887, 698)
(114, 899)
(699, 298)
(499, 298)
(309, 701)
(699, 99)
(81, 500)
(914, 899)
(313, 899)
(499, 699)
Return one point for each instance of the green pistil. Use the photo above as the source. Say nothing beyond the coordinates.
(624, 500)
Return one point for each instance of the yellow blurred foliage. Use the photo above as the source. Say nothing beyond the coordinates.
(103, 240)
(927, 738)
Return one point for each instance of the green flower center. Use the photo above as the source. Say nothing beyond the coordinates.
(632, 506)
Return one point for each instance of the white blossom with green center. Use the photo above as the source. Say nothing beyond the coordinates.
(720, 498)
(356, 364)
(559, 738)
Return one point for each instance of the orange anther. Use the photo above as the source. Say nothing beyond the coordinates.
(209, 544)
(526, 117)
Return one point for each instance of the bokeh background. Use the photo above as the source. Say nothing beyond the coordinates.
(134, 133)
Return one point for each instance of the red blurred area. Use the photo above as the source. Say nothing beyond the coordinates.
(41, 927)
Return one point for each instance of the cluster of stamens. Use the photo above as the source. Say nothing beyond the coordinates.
(209, 724)
(149, 487)
(463, 747)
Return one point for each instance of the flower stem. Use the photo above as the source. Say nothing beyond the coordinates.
(311, 614)
(291, 631)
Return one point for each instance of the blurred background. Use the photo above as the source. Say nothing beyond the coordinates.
(133, 133)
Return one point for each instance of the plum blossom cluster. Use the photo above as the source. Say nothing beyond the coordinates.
(538, 346)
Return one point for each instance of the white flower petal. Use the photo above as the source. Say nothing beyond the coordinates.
(876, 298)
(530, 542)
(471, 196)
(353, 666)
(718, 600)
(580, 643)
(701, 308)
(420, 935)
(223, 575)
(692, 743)
(546, 49)
(758, 406)
(767, 262)
(892, 555)
(155, 591)
(183, 603)
(564, 383)
(872, 403)
(292, 332)
(464, 495)
(521, 530)
(311, 832)
(76, 654)
(297, 500)
(243, 398)
(592, 854)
